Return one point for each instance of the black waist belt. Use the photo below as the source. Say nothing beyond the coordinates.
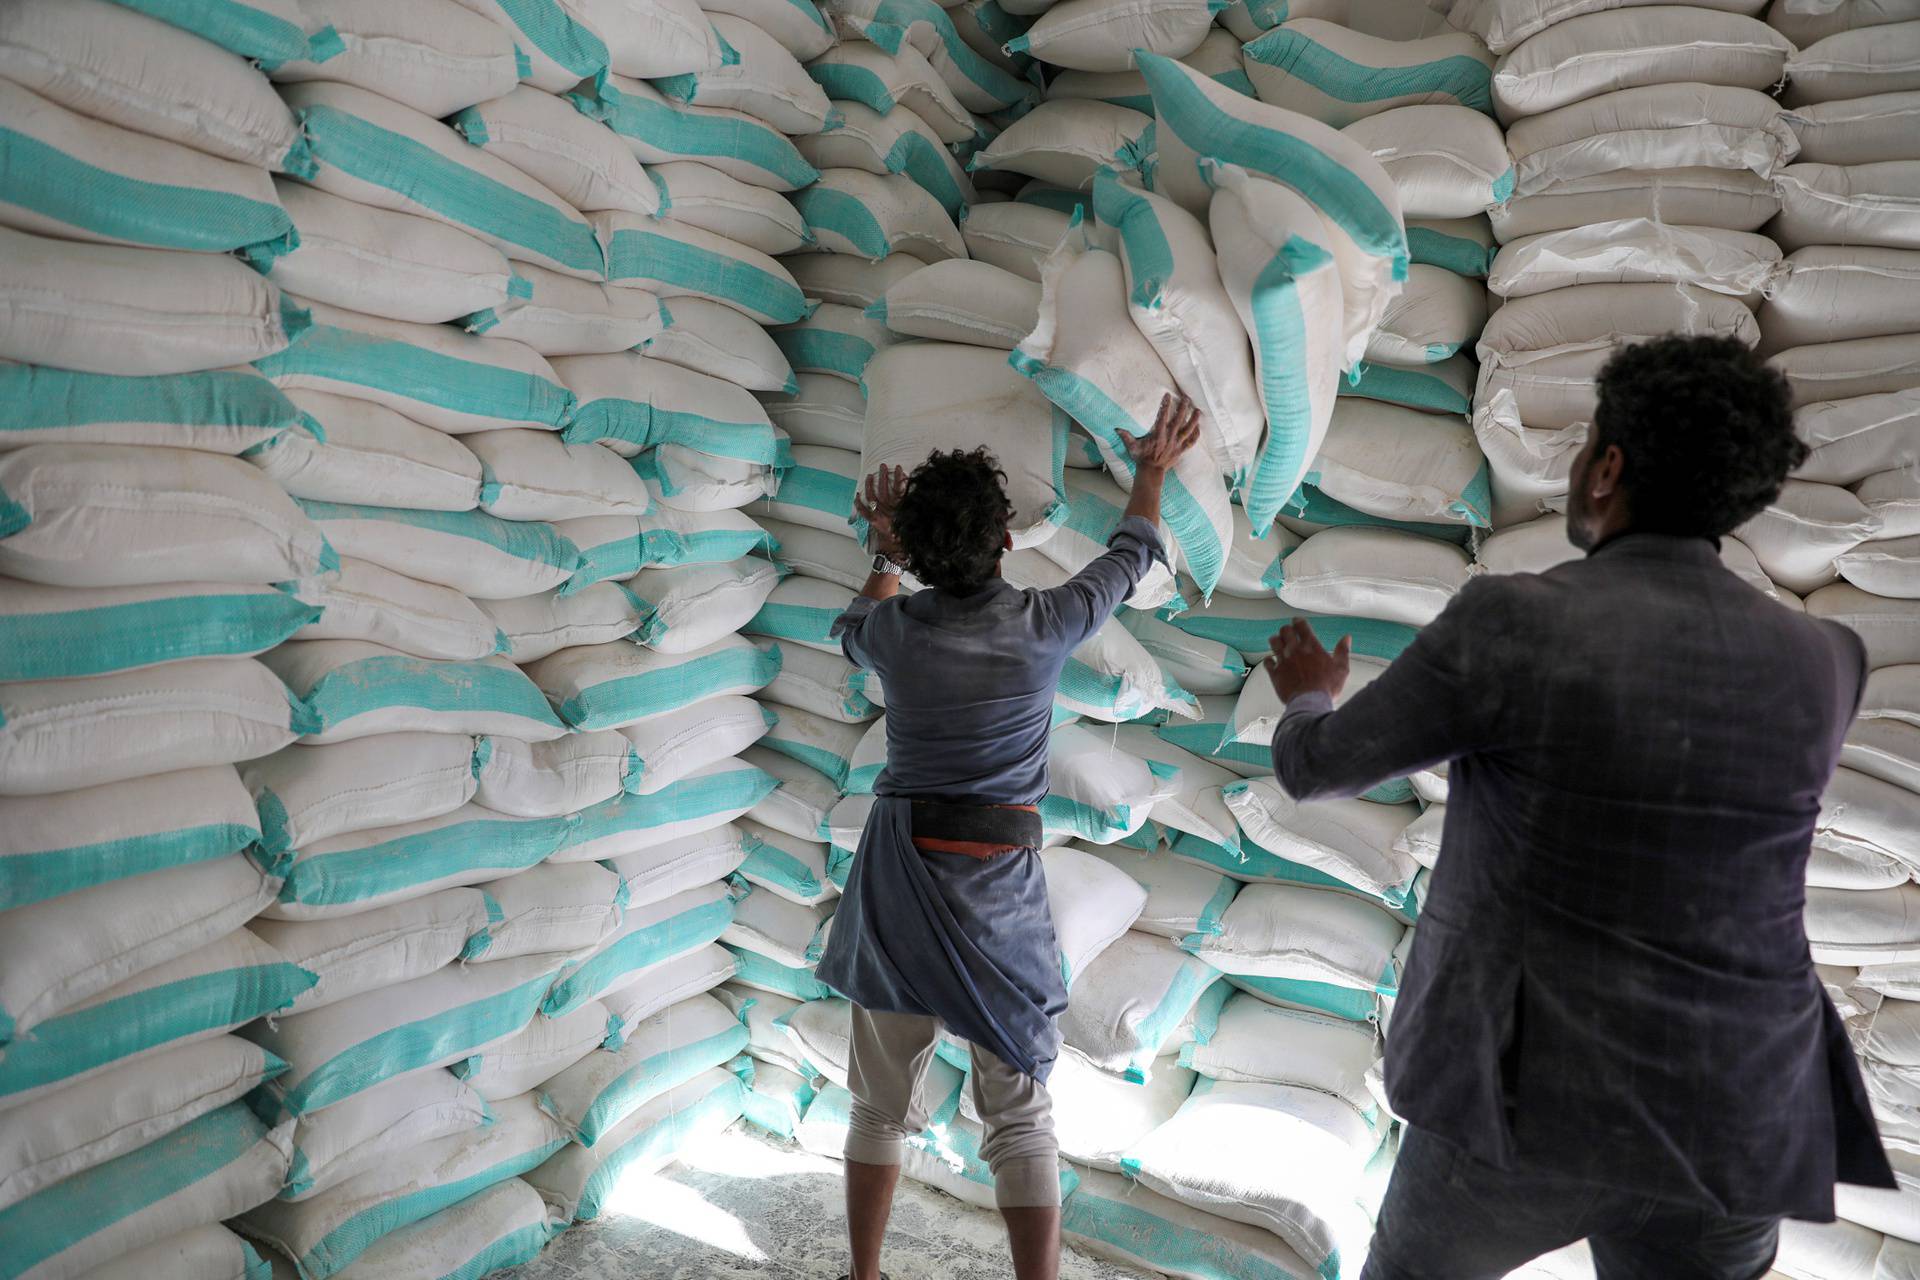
(976, 823)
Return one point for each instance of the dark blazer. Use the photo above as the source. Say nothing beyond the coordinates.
(1611, 977)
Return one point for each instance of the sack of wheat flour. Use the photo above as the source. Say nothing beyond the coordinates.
(1660, 126)
(892, 142)
(1338, 75)
(1436, 314)
(49, 633)
(561, 40)
(368, 950)
(712, 338)
(83, 179)
(834, 340)
(548, 139)
(704, 800)
(1404, 465)
(700, 195)
(873, 215)
(369, 453)
(650, 933)
(675, 259)
(578, 1181)
(191, 998)
(532, 627)
(1802, 534)
(503, 1226)
(209, 1169)
(1102, 36)
(435, 57)
(1128, 1003)
(536, 475)
(659, 130)
(1594, 53)
(57, 735)
(1291, 931)
(976, 82)
(862, 72)
(1351, 840)
(1642, 251)
(1865, 204)
(1830, 293)
(825, 684)
(365, 602)
(48, 844)
(1283, 1157)
(762, 79)
(1065, 142)
(377, 152)
(101, 308)
(333, 1230)
(1095, 507)
(593, 1095)
(1857, 130)
(789, 866)
(1111, 381)
(961, 301)
(1865, 62)
(351, 1137)
(927, 396)
(116, 64)
(472, 552)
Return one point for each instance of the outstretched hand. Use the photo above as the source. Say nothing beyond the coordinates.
(883, 491)
(1301, 664)
(1176, 429)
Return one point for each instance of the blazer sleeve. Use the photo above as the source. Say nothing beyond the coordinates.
(1432, 705)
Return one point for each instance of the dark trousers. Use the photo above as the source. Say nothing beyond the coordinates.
(1448, 1216)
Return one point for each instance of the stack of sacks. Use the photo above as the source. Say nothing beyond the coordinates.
(146, 563)
(1640, 168)
(1841, 325)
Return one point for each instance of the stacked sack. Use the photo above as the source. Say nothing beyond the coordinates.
(146, 562)
(1840, 324)
(419, 359)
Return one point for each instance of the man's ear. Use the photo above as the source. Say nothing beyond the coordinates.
(1006, 542)
(1603, 477)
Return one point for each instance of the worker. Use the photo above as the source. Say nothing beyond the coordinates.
(944, 921)
(1610, 1027)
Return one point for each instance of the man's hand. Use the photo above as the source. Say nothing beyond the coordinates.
(884, 488)
(1176, 429)
(1301, 664)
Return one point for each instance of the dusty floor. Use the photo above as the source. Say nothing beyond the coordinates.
(737, 1206)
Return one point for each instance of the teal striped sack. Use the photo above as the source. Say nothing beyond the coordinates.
(676, 259)
(896, 142)
(817, 490)
(978, 83)
(616, 548)
(559, 47)
(268, 32)
(751, 969)
(1463, 246)
(1247, 625)
(80, 179)
(1288, 291)
(213, 989)
(207, 1169)
(1095, 505)
(802, 611)
(630, 403)
(477, 554)
(829, 746)
(604, 686)
(327, 1234)
(650, 934)
(861, 72)
(708, 797)
(354, 688)
(1104, 378)
(786, 865)
(580, 1181)
(342, 1049)
(1315, 997)
(504, 1226)
(433, 373)
(1338, 75)
(593, 1096)
(661, 131)
(230, 411)
(66, 841)
(380, 153)
(1309, 506)
(1121, 1219)
(1198, 118)
(1446, 387)
(870, 756)
(776, 1099)
(835, 339)
(51, 633)
(347, 874)
(1254, 864)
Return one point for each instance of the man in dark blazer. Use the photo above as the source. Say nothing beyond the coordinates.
(1610, 1026)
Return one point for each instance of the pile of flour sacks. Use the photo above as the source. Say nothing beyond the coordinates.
(426, 771)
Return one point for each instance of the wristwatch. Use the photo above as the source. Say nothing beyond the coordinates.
(883, 565)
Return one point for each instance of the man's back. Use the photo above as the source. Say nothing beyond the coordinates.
(1611, 977)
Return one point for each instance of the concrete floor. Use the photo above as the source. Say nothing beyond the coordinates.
(739, 1206)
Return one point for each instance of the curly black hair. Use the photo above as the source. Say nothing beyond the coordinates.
(1706, 430)
(952, 520)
